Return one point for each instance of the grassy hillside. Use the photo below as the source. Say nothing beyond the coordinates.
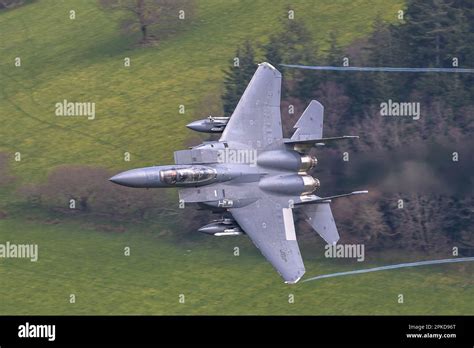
(136, 107)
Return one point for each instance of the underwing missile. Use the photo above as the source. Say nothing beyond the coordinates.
(209, 125)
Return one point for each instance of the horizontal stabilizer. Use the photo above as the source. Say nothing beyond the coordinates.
(310, 124)
(320, 140)
(310, 199)
(319, 216)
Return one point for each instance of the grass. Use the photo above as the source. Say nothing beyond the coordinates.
(76, 259)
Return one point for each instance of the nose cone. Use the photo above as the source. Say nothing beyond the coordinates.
(211, 229)
(131, 178)
(199, 126)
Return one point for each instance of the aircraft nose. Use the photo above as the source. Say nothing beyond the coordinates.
(131, 178)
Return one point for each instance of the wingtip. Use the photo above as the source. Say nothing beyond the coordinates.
(293, 281)
(268, 65)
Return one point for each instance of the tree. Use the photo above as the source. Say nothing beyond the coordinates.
(147, 13)
(383, 50)
(435, 32)
(238, 76)
(294, 44)
(335, 53)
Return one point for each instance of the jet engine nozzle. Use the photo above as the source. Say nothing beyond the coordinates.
(290, 184)
(310, 184)
(286, 160)
(308, 162)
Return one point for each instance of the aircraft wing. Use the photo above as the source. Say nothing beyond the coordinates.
(256, 120)
(271, 229)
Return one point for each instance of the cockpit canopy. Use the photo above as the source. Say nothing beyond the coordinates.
(187, 175)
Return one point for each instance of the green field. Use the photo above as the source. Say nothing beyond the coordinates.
(76, 259)
(137, 111)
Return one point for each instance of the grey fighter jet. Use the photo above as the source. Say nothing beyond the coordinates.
(253, 176)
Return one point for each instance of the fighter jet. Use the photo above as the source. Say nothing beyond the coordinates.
(253, 176)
